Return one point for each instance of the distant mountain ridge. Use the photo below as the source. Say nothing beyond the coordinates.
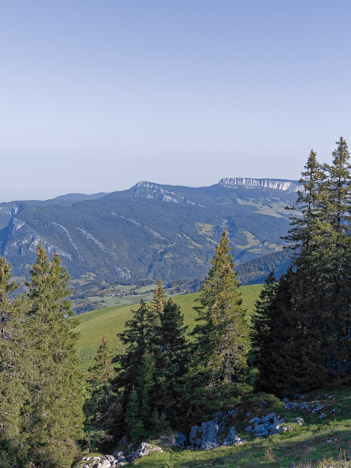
(275, 184)
(153, 229)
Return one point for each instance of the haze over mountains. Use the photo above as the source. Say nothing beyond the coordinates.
(153, 229)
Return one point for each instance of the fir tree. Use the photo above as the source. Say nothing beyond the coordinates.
(304, 234)
(96, 407)
(132, 384)
(56, 392)
(175, 353)
(335, 269)
(310, 334)
(221, 336)
(158, 300)
(262, 320)
(15, 371)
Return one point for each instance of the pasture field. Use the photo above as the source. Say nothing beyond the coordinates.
(108, 322)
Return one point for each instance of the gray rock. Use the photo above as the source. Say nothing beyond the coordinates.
(317, 408)
(107, 461)
(299, 421)
(121, 459)
(254, 420)
(176, 439)
(248, 429)
(285, 400)
(269, 417)
(291, 405)
(304, 405)
(181, 439)
(143, 449)
(193, 435)
(322, 416)
(261, 430)
(282, 429)
(232, 438)
(204, 436)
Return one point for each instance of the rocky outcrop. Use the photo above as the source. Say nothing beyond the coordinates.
(217, 432)
(275, 184)
(176, 439)
(267, 425)
(122, 458)
(213, 433)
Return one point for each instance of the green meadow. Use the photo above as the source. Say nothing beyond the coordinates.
(110, 321)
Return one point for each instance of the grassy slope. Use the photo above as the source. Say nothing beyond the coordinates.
(110, 321)
(319, 439)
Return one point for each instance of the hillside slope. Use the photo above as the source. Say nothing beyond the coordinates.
(150, 229)
(110, 321)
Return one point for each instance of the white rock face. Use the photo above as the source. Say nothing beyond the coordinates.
(276, 184)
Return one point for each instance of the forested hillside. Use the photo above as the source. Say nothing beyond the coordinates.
(221, 379)
(153, 229)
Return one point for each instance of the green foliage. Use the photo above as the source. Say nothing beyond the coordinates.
(96, 406)
(221, 336)
(15, 370)
(56, 417)
(111, 321)
(308, 342)
(41, 392)
(149, 371)
(263, 321)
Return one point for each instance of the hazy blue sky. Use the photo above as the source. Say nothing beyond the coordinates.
(97, 95)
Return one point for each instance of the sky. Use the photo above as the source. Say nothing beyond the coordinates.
(98, 95)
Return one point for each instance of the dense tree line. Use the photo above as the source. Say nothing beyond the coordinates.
(41, 395)
(160, 380)
(302, 328)
(164, 378)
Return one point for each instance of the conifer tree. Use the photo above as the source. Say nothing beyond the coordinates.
(158, 300)
(335, 267)
(221, 336)
(135, 374)
(96, 407)
(150, 368)
(263, 321)
(175, 353)
(56, 391)
(277, 338)
(310, 336)
(15, 370)
(304, 234)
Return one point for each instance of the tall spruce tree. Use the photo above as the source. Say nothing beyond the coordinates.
(335, 269)
(310, 338)
(15, 371)
(96, 407)
(150, 368)
(134, 366)
(304, 233)
(221, 335)
(174, 359)
(263, 320)
(56, 390)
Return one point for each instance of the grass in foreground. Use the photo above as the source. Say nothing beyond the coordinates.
(322, 443)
